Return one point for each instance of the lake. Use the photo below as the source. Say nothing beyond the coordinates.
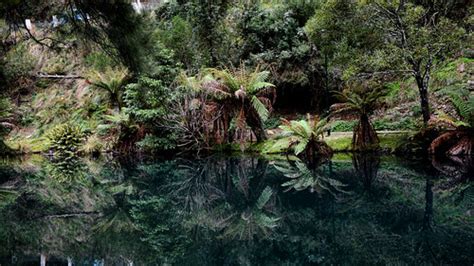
(236, 210)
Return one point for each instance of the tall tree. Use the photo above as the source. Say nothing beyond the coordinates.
(388, 37)
(422, 36)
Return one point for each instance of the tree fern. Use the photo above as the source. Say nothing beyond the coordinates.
(296, 135)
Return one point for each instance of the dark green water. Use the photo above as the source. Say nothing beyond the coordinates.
(236, 211)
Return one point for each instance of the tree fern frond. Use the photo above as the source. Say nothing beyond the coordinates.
(300, 147)
(261, 109)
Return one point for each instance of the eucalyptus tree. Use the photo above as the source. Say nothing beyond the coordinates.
(421, 36)
(388, 37)
(114, 25)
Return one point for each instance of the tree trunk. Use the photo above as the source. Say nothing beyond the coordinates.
(424, 100)
(364, 137)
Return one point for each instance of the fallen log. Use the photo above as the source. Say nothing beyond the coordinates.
(55, 76)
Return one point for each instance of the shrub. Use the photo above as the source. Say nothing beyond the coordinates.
(18, 63)
(65, 138)
(343, 126)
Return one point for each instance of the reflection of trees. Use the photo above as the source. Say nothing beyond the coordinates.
(229, 196)
(73, 216)
(228, 211)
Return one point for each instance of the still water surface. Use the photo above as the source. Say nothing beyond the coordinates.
(245, 210)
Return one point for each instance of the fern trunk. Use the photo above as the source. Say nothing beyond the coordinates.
(364, 137)
(316, 152)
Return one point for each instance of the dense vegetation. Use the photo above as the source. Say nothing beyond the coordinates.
(192, 76)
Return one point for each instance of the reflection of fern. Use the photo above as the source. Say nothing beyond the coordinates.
(302, 178)
(264, 198)
(254, 221)
(464, 195)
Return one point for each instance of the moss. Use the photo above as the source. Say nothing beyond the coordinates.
(342, 157)
(342, 143)
(388, 142)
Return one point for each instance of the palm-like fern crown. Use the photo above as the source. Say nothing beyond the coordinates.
(111, 79)
(241, 79)
(361, 97)
(240, 84)
(300, 133)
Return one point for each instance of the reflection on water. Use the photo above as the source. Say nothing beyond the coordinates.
(356, 209)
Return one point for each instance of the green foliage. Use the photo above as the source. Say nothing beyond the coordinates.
(302, 178)
(272, 122)
(341, 29)
(273, 37)
(361, 97)
(405, 123)
(148, 104)
(238, 97)
(343, 126)
(93, 145)
(160, 63)
(98, 61)
(5, 115)
(176, 34)
(120, 125)
(194, 26)
(147, 100)
(67, 169)
(156, 218)
(240, 85)
(464, 107)
(65, 138)
(153, 144)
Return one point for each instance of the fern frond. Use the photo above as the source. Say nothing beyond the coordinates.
(261, 109)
